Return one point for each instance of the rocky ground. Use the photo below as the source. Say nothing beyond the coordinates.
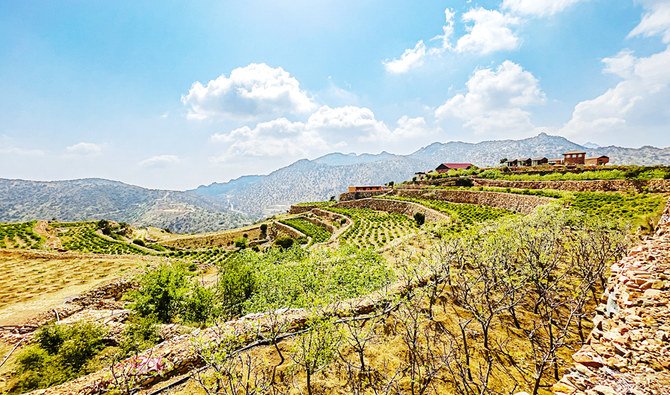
(628, 351)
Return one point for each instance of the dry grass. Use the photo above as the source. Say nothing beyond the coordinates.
(34, 282)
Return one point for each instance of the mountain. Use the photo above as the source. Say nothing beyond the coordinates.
(92, 199)
(329, 175)
(224, 205)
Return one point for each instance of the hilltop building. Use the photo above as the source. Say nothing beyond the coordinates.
(574, 158)
(597, 160)
(368, 188)
(445, 167)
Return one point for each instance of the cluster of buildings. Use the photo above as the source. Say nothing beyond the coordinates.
(569, 158)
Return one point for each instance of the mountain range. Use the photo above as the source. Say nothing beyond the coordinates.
(248, 198)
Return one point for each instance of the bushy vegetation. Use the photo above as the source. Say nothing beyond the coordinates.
(318, 233)
(82, 237)
(630, 173)
(19, 235)
(640, 209)
(374, 229)
(60, 353)
(202, 256)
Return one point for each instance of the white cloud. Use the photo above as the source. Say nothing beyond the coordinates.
(325, 130)
(84, 149)
(655, 22)
(490, 32)
(537, 8)
(622, 64)
(159, 161)
(410, 59)
(496, 100)
(636, 108)
(447, 30)
(407, 130)
(256, 91)
(7, 147)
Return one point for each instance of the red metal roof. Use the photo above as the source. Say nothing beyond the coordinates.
(456, 165)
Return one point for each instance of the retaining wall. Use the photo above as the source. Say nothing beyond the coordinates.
(627, 352)
(360, 195)
(509, 201)
(658, 186)
(396, 206)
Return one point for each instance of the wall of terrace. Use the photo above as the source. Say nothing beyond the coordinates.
(509, 201)
(659, 186)
(627, 352)
(397, 206)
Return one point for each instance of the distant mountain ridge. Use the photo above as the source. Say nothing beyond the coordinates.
(247, 198)
(329, 175)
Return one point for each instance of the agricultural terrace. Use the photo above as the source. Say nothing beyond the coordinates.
(550, 174)
(207, 257)
(83, 237)
(317, 233)
(19, 235)
(33, 282)
(463, 214)
(374, 229)
(225, 238)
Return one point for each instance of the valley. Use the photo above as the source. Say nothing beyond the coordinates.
(393, 293)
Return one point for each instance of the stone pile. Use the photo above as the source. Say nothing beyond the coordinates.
(628, 351)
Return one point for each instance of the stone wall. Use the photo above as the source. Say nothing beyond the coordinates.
(360, 195)
(660, 186)
(318, 222)
(296, 209)
(627, 352)
(278, 228)
(509, 201)
(396, 206)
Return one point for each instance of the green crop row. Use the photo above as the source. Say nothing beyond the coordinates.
(19, 235)
(374, 229)
(82, 237)
(318, 233)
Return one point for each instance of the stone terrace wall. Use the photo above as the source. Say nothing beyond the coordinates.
(278, 228)
(360, 195)
(660, 186)
(295, 209)
(509, 201)
(396, 206)
(627, 352)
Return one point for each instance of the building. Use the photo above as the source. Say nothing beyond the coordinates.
(539, 161)
(445, 167)
(368, 188)
(555, 161)
(597, 160)
(574, 158)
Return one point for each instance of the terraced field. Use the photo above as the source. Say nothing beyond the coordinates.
(466, 214)
(33, 282)
(374, 229)
(203, 257)
(319, 234)
(19, 235)
(640, 208)
(82, 237)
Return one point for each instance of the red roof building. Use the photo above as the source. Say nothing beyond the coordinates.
(445, 167)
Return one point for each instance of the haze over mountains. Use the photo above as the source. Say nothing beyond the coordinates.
(248, 198)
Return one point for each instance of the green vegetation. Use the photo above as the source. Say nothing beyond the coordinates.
(629, 173)
(318, 233)
(374, 229)
(251, 281)
(82, 237)
(19, 235)
(60, 353)
(329, 203)
(641, 210)
(461, 213)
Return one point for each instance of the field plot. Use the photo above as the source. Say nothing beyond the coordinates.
(318, 233)
(19, 235)
(374, 229)
(641, 209)
(34, 282)
(467, 214)
(202, 257)
(82, 237)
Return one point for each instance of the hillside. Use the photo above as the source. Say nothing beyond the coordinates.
(90, 199)
(318, 179)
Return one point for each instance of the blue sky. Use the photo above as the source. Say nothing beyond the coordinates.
(176, 94)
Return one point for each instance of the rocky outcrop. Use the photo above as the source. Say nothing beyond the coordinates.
(627, 352)
(509, 201)
(656, 186)
(397, 206)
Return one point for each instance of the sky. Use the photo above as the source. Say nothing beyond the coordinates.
(175, 94)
